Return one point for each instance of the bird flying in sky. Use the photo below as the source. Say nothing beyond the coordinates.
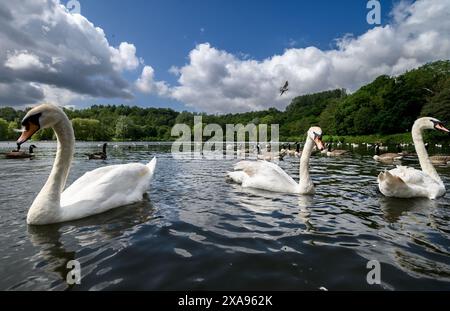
(284, 88)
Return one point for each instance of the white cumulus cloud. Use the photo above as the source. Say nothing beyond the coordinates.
(23, 60)
(124, 58)
(217, 81)
(146, 83)
(48, 53)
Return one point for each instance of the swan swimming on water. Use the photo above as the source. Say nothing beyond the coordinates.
(95, 192)
(407, 182)
(269, 176)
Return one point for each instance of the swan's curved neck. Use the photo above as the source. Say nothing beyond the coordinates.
(47, 202)
(64, 154)
(422, 153)
(305, 179)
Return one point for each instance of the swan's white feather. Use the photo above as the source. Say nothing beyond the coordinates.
(106, 188)
(407, 182)
(263, 175)
(94, 192)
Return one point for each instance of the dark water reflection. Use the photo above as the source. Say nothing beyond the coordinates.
(194, 230)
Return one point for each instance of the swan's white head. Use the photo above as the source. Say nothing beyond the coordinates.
(315, 133)
(40, 117)
(428, 123)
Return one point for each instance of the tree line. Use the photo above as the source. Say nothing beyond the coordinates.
(388, 105)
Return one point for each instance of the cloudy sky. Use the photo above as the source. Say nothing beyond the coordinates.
(213, 56)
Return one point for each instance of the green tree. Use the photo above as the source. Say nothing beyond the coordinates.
(438, 105)
(44, 134)
(185, 118)
(327, 119)
(86, 129)
(12, 130)
(123, 126)
(387, 105)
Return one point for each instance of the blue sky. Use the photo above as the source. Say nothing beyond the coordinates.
(164, 32)
(215, 56)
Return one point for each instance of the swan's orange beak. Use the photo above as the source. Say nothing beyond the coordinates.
(319, 143)
(30, 129)
(441, 127)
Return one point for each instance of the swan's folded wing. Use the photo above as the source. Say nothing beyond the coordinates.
(106, 187)
(416, 184)
(410, 175)
(266, 175)
(88, 177)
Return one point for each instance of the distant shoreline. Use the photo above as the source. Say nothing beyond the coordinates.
(358, 139)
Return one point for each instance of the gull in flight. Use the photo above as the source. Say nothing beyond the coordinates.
(284, 88)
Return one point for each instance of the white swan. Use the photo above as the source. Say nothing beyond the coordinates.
(407, 182)
(95, 192)
(269, 176)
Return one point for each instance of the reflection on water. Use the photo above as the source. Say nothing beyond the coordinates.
(52, 253)
(393, 208)
(195, 230)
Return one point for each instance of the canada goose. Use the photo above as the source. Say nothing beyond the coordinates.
(298, 152)
(17, 154)
(98, 155)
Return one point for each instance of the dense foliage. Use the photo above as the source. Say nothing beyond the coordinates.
(388, 105)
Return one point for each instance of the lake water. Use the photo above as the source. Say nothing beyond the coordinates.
(196, 231)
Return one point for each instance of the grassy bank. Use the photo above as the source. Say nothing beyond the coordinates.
(359, 139)
(432, 137)
(371, 139)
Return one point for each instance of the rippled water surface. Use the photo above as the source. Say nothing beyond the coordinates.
(195, 230)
